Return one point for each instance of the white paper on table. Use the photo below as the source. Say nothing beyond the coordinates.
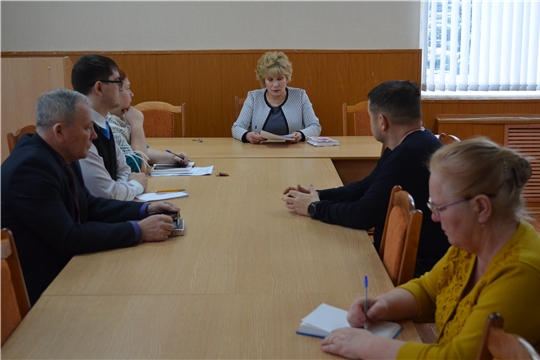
(270, 136)
(161, 196)
(196, 171)
(171, 168)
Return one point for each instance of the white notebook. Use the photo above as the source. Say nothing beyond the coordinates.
(325, 318)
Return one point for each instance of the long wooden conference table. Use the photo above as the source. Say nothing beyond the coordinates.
(353, 159)
(235, 286)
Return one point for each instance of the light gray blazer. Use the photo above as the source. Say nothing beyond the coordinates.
(297, 110)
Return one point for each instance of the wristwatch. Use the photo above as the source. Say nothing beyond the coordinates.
(312, 208)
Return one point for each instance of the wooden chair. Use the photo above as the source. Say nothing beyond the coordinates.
(497, 344)
(399, 244)
(362, 125)
(159, 118)
(15, 301)
(13, 138)
(447, 139)
(238, 103)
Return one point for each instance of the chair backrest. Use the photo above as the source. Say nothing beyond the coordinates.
(238, 103)
(13, 138)
(399, 244)
(159, 118)
(362, 125)
(15, 301)
(497, 344)
(447, 139)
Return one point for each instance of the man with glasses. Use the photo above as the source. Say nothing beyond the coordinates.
(395, 112)
(105, 170)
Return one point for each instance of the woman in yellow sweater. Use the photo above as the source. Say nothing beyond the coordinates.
(493, 264)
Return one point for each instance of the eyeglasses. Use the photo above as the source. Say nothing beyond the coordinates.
(118, 83)
(437, 209)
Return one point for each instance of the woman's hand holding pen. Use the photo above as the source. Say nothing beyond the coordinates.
(356, 316)
(357, 343)
(180, 158)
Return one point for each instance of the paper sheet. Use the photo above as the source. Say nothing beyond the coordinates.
(196, 171)
(161, 196)
(270, 136)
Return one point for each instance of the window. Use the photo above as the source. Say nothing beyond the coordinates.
(480, 45)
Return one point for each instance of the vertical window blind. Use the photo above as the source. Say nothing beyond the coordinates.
(480, 45)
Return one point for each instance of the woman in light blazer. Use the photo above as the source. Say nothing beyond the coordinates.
(276, 108)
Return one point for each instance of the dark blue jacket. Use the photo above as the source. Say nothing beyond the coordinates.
(363, 204)
(38, 207)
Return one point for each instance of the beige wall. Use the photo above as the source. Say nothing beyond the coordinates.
(208, 25)
(23, 81)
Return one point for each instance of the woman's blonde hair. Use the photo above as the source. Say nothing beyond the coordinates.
(480, 166)
(273, 63)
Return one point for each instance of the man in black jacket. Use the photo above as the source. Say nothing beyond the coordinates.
(396, 121)
(47, 206)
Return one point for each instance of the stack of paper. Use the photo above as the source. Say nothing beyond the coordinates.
(172, 170)
(176, 169)
(325, 318)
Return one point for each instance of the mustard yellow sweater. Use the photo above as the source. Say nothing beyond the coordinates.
(510, 286)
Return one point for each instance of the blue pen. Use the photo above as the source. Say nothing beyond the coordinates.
(170, 152)
(365, 300)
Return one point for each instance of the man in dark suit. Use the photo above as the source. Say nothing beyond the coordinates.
(47, 206)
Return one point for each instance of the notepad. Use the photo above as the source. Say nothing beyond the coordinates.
(325, 318)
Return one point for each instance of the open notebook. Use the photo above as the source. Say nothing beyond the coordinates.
(325, 318)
